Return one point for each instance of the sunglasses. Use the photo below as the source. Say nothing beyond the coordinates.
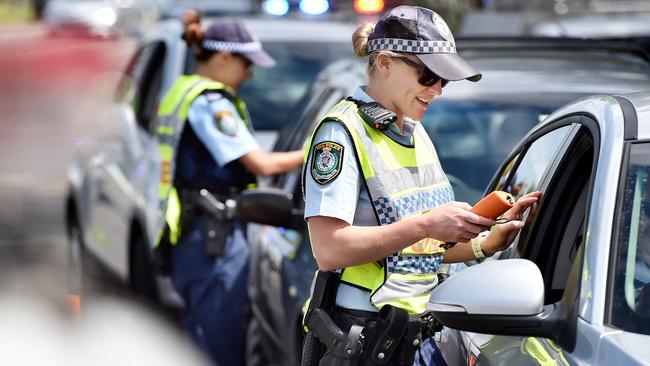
(426, 77)
(246, 61)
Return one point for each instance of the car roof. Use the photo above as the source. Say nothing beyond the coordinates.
(283, 29)
(529, 72)
(293, 29)
(594, 25)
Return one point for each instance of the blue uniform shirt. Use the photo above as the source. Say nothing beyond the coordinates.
(226, 141)
(211, 145)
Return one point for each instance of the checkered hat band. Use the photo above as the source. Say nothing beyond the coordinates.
(234, 47)
(411, 46)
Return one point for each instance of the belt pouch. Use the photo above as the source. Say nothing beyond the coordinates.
(411, 341)
(215, 235)
(388, 331)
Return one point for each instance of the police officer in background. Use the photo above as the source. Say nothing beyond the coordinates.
(379, 206)
(208, 148)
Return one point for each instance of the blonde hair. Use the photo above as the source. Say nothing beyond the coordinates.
(360, 45)
(360, 39)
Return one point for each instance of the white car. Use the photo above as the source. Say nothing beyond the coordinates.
(574, 288)
(103, 18)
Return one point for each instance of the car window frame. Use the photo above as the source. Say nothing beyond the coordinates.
(568, 304)
(578, 120)
(609, 317)
(149, 82)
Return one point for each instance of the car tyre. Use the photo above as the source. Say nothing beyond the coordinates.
(254, 349)
(312, 350)
(143, 281)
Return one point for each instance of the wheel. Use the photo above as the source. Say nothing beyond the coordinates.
(312, 350)
(254, 351)
(142, 278)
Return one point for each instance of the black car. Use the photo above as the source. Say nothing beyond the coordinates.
(473, 126)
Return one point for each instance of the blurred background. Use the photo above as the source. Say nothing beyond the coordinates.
(80, 81)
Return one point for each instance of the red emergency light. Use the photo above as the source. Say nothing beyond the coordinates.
(368, 6)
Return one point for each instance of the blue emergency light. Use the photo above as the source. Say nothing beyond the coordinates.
(314, 7)
(276, 7)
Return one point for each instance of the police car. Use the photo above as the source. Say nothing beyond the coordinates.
(474, 126)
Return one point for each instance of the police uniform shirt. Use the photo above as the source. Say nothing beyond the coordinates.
(345, 197)
(217, 124)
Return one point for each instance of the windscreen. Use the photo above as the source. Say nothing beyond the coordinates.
(473, 138)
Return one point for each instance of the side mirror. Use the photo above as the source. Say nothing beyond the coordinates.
(503, 297)
(269, 206)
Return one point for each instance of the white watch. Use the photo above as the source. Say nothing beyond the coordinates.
(476, 248)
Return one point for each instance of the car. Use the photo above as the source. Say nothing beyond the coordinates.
(112, 205)
(574, 286)
(473, 126)
(101, 18)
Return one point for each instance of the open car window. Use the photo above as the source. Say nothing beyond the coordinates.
(554, 232)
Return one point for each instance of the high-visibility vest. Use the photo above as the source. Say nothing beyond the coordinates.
(402, 181)
(172, 115)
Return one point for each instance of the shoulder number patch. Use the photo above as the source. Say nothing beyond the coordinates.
(327, 158)
(226, 123)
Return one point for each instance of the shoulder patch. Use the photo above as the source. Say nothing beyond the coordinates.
(214, 96)
(327, 158)
(226, 122)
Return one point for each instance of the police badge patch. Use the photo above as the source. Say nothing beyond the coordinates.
(226, 123)
(326, 161)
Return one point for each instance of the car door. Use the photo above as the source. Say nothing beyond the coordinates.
(281, 257)
(559, 161)
(124, 170)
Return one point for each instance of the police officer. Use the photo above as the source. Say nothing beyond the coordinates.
(209, 155)
(378, 204)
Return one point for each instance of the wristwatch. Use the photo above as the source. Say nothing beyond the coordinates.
(476, 248)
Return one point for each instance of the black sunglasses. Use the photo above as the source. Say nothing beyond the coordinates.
(427, 77)
(244, 59)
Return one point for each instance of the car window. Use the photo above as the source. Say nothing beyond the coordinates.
(538, 159)
(145, 72)
(505, 173)
(472, 137)
(553, 234)
(630, 298)
(271, 93)
(525, 174)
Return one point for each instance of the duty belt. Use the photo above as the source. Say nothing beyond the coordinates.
(392, 334)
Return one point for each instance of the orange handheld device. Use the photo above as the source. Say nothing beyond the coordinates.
(494, 204)
(491, 206)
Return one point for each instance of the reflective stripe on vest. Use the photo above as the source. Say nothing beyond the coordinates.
(402, 182)
(172, 114)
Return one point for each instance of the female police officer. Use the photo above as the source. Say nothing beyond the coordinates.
(373, 187)
(208, 149)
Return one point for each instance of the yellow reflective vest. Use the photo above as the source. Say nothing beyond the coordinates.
(172, 115)
(402, 181)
